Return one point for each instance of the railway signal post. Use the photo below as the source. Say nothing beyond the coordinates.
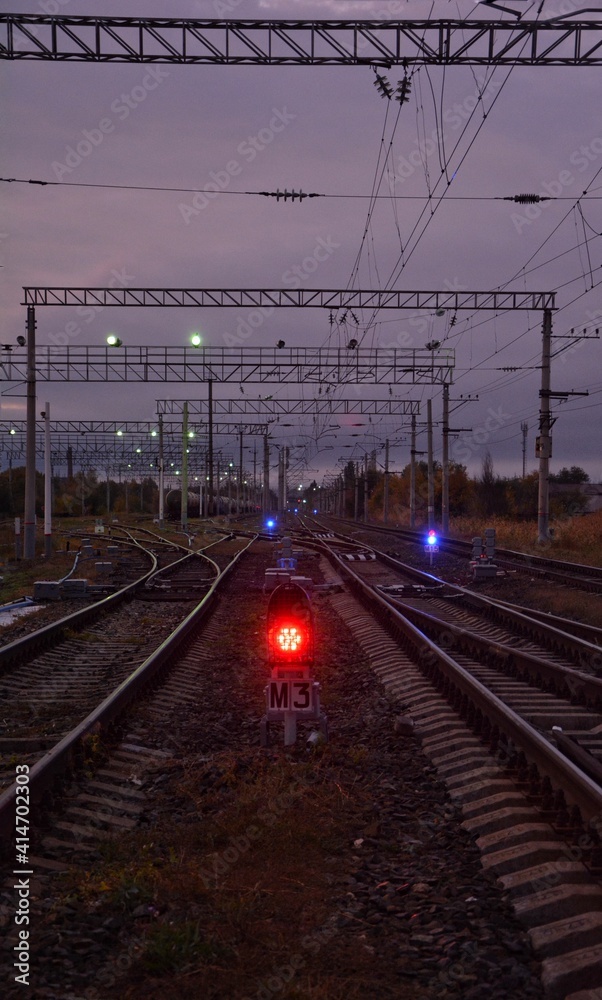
(431, 546)
(483, 552)
(292, 694)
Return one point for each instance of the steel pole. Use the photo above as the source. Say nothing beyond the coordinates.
(47, 485)
(184, 494)
(239, 496)
(445, 465)
(386, 485)
(266, 474)
(430, 514)
(545, 426)
(161, 476)
(29, 519)
(210, 506)
(413, 475)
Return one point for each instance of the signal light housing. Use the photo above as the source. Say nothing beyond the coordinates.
(290, 629)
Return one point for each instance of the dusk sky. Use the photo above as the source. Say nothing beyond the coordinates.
(473, 135)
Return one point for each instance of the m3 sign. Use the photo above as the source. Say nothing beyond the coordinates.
(290, 696)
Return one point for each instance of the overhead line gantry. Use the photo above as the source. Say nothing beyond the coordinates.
(305, 298)
(359, 365)
(186, 41)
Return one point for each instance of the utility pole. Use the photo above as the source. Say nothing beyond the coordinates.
(184, 493)
(543, 444)
(413, 475)
(431, 485)
(161, 476)
(210, 507)
(447, 430)
(366, 486)
(525, 430)
(29, 520)
(543, 448)
(386, 485)
(239, 496)
(266, 473)
(47, 485)
(445, 465)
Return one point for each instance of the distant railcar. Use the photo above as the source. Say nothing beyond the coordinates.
(173, 505)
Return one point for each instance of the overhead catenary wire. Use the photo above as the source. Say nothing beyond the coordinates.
(278, 195)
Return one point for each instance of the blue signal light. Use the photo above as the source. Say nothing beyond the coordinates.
(431, 538)
(270, 524)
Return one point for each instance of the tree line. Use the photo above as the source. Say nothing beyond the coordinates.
(484, 495)
(81, 495)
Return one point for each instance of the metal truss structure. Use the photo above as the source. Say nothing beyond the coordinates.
(72, 431)
(241, 365)
(91, 454)
(140, 457)
(153, 40)
(262, 298)
(322, 406)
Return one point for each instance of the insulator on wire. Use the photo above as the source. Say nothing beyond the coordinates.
(355, 319)
(286, 195)
(527, 199)
(404, 88)
(383, 86)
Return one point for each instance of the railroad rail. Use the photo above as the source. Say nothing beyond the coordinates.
(581, 576)
(129, 677)
(432, 642)
(540, 867)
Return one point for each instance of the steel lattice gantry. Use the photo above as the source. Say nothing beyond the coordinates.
(322, 406)
(125, 443)
(75, 430)
(306, 298)
(241, 365)
(151, 40)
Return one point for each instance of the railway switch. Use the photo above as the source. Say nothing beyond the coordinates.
(292, 694)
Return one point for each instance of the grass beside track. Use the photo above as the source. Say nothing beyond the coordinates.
(576, 539)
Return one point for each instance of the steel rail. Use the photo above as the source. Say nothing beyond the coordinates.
(21, 648)
(532, 561)
(575, 684)
(45, 772)
(578, 789)
(519, 617)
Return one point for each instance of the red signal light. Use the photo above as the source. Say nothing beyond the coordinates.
(290, 626)
(289, 639)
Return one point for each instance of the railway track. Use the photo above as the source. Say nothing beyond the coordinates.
(81, 950)
(497, 634)
(579, 576)
(53, 678)
(532, 712)
(531, 811)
